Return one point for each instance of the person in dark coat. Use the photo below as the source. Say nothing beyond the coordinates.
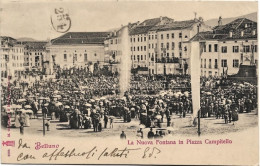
(150, 134)
(123, 135)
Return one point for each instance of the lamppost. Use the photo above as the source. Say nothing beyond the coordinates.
(199, 113)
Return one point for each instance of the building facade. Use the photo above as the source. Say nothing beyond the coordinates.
(228, 46)
(12, 58)
(78, 49)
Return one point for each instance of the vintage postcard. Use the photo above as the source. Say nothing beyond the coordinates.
(129, 82)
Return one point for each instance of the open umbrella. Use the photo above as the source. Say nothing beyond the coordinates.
(27, 107)
(66, 106)
(88, 105)
(21, 100)
(158, 116)
(58, 104)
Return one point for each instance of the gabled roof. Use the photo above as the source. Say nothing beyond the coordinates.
(237, 25)
(176, 25)
(81, 38)
(35, 44)
(148, 24)
(140, 30)
(155, 21)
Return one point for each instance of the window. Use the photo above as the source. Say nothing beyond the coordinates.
(85, 57)
(180, 45)
(161, 45)
(223, 63)
(224, 49)
(144, 38)
(161, 36)
(210, 73)
(173, 45)
(149, 46)
(137, 48)
(205, 63)
(138, 39)
(235, 63)
(144, 48)
(210, 63)
(76, 57)
(201, 63)
(180, 55)
(172, 35)
(149, 37)
(65, 57)
(141, 48)
(215, 47)
(209, 47)
(255, 48)
(235, 48)
(152, 37)
(246, 48)
(134, 48)
(111, 41)
(173, 54)
(185, 48)
(152, 46)
(180, 35)
(155, 36)
(134, 57)
(141, 38)
(131, 40)
(216, 64)
(134, 39)
(167, 46)
(168, 36)
(141, 57)
(204, 48)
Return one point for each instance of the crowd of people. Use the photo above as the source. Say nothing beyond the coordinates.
(88, 101)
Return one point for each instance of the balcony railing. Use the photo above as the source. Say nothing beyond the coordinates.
(168, 60)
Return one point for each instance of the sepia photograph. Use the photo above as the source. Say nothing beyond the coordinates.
(146, 75)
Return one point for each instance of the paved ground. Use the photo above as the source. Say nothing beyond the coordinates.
(209, 126)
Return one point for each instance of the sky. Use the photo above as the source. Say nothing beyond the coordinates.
(26, 18)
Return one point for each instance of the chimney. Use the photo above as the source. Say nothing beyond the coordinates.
(245, 25)
(220, 21)
(161, 18)
(114, 33)
(144, 23)
(253, 32)
(242, 33)
(230, 34)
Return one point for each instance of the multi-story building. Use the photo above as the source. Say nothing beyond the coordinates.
(157, 45)
(34, 55)
(78, 49)
(227, 46)
(12, 58)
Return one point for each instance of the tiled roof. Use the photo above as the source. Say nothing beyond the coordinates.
(35, 45)
(237, 25)
(155, 21)
(203, 36)
(6, 38)
(148, 24)
(81, 38)
(140, 30)
(176, 25)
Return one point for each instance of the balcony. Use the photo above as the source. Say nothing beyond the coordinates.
(168, 60)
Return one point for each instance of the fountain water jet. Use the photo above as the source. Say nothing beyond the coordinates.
(125, 62)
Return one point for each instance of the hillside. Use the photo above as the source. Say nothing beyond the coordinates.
(214, 22)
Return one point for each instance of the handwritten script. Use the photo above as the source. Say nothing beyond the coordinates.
(94, 153)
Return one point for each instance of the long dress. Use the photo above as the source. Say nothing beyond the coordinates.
(17, 121)
(27, 120)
